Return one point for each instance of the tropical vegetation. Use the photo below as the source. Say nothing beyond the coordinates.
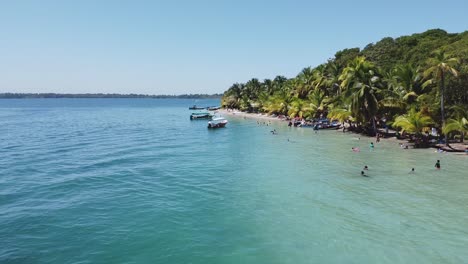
(410, 83)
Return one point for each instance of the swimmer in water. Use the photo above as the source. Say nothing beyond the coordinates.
(412, 171)
(355, 149)
(371, 145)
(366, 168)
(363, 174)
(437, 165)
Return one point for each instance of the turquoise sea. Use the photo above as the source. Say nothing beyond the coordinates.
(135, 181)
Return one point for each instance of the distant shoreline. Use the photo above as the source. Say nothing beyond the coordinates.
(100, 95)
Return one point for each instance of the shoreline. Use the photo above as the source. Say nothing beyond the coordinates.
(259, 116)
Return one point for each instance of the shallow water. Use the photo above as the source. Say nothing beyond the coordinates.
(135, 181)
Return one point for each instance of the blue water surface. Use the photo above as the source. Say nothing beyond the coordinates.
(135, 181)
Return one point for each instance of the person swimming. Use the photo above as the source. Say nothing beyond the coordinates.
(437, 165)
(355, 149)
(412, 171)
(363, 174)
(371, 145)
(366, 168)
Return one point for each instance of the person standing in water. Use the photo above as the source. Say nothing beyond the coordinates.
(371, 145)
(437, 165)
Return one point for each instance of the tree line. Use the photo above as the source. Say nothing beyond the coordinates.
(410, 83)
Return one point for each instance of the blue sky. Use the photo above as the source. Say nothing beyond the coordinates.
(175, 47)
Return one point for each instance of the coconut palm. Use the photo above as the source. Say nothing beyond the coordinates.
(253, 88)
(317, 101)
(268, 86)
(459, 121)
(456, 125)
(232, 96)
(409, 81)
(333, 74)
(364, 103)
(300, 108)
(303, 83)
(359, 70)
(279, 103)
(413, 122)
(361, 83)
(439, 66)
(340, 114)
(320, 78)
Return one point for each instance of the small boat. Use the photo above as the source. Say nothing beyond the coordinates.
(217, 122)
(213, 108)
(194, 107)
(201, 115)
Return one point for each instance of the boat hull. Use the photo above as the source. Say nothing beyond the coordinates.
(217, 125)
(196, 108)
(207, 116)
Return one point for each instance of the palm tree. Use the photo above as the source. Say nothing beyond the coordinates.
(333, 74)
(268, 86)
(361, 83)
(253, 88)
(413, 122)
(320, 78)
(359, 70)
(299, 108)
(340, 114)
(303, 83)
(408, 82)
(456, 125)
(459, 122)
(231, 97)
(364, 103)
(279, 103)
(279, 83)
(439, 66)
(317, 101)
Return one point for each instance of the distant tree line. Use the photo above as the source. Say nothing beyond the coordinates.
(102, 95)
(410, 83)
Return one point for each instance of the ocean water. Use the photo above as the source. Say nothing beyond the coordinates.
(135, 181)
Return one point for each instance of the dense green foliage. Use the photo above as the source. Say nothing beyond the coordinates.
(418, 78)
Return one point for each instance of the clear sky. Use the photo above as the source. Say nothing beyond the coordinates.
(175, 47)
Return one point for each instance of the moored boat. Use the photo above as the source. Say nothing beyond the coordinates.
(213, 108)
(194, 107)
(217, 122)
(201, 115)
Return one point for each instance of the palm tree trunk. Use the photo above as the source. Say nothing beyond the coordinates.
(374, 126)
(442, 112)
